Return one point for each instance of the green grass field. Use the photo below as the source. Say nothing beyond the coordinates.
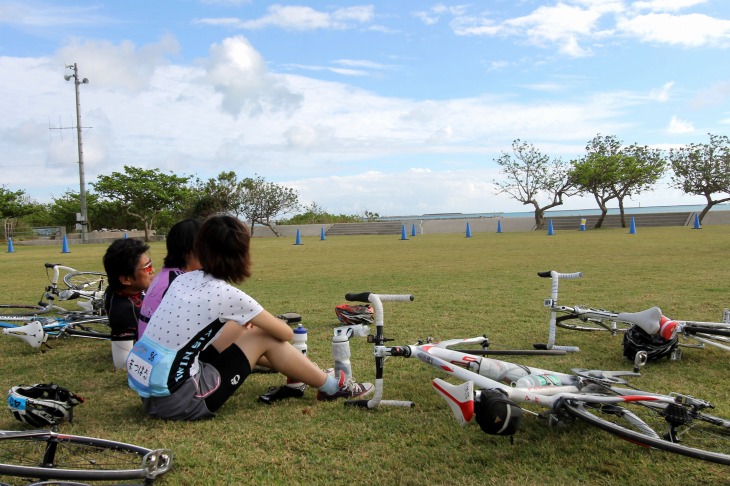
(463, 287)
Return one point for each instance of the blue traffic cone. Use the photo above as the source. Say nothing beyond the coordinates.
(550, 228)
(10, 246)
(413, 230)
(65, 245)
(321, 235)
(697, 222)
(299, 238)
(499, 226)
(468, 230)
(632, 229)
(125, 236)
(403, 232)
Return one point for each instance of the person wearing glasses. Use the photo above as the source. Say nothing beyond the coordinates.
(179, 259)
(129, 273)
(207, 334)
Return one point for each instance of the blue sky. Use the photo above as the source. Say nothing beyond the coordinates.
(391, 107)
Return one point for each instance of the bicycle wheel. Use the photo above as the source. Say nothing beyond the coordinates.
(85, 280)
(568, 322)
(670, 427)
(86, 326)
(19, 312)
(47, 455)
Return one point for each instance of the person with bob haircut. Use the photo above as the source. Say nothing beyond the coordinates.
(206, 335)
(180, 258)
(129, 272)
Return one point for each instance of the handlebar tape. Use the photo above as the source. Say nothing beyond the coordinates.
(361, 297)
(548, 274)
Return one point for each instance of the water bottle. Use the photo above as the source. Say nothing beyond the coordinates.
(341, 354)
(300, 339)
(531, 381)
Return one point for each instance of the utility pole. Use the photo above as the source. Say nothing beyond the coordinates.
(82, 180)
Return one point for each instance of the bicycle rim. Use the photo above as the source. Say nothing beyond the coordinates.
(588, 325)
(94, 328)
(19, 312)
(704, 437)
(85, 280)
(48, 455)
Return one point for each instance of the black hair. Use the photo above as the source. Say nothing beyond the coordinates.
(180, 241)
(222, 246)
(121, 259)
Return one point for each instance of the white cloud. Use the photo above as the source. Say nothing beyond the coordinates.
(677, 126)
(576, 27)
(113, 66)
(666, 5)
(662, 94)
(34, 16)
(693, 30)
(301, 18)
(238, 72)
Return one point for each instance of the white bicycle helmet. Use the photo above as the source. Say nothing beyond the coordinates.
(42, 405)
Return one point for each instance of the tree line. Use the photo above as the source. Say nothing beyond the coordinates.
(154, 200)
(611, 170)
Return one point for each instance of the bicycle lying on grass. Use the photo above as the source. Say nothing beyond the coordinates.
(45, 455)
(494, 392)
(580, 318)
(85, 288)
(35, 330)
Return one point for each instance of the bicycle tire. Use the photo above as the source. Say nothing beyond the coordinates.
(693, 329)
(20, 312)
(47, 455)
(85, 280)
(589, 325)
(704, 437)
(93, 327)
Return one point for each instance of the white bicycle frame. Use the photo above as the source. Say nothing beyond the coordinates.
(84, 298)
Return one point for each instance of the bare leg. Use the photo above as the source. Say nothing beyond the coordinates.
(282, 356)
(231, 332)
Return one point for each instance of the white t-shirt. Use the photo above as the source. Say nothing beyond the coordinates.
(190, 316)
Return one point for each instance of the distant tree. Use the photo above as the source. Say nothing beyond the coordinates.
(14, 204)
(532, 175)
(19, 212)
(144, 194)
(590, 174)
(703, 170)
(612, 171)
(262, 202)
(639, 168)
(314, 214)
(220, 195)
(370, 216)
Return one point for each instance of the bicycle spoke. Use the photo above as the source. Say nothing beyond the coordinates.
(56, 456)
(673, 428)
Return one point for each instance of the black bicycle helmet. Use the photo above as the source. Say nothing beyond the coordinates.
(354, 314)
(636, 339)
(496, 414)
(42, 405)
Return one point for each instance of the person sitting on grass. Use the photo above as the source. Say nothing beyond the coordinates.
(129, 273)
(179, 259)
(206, 335)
